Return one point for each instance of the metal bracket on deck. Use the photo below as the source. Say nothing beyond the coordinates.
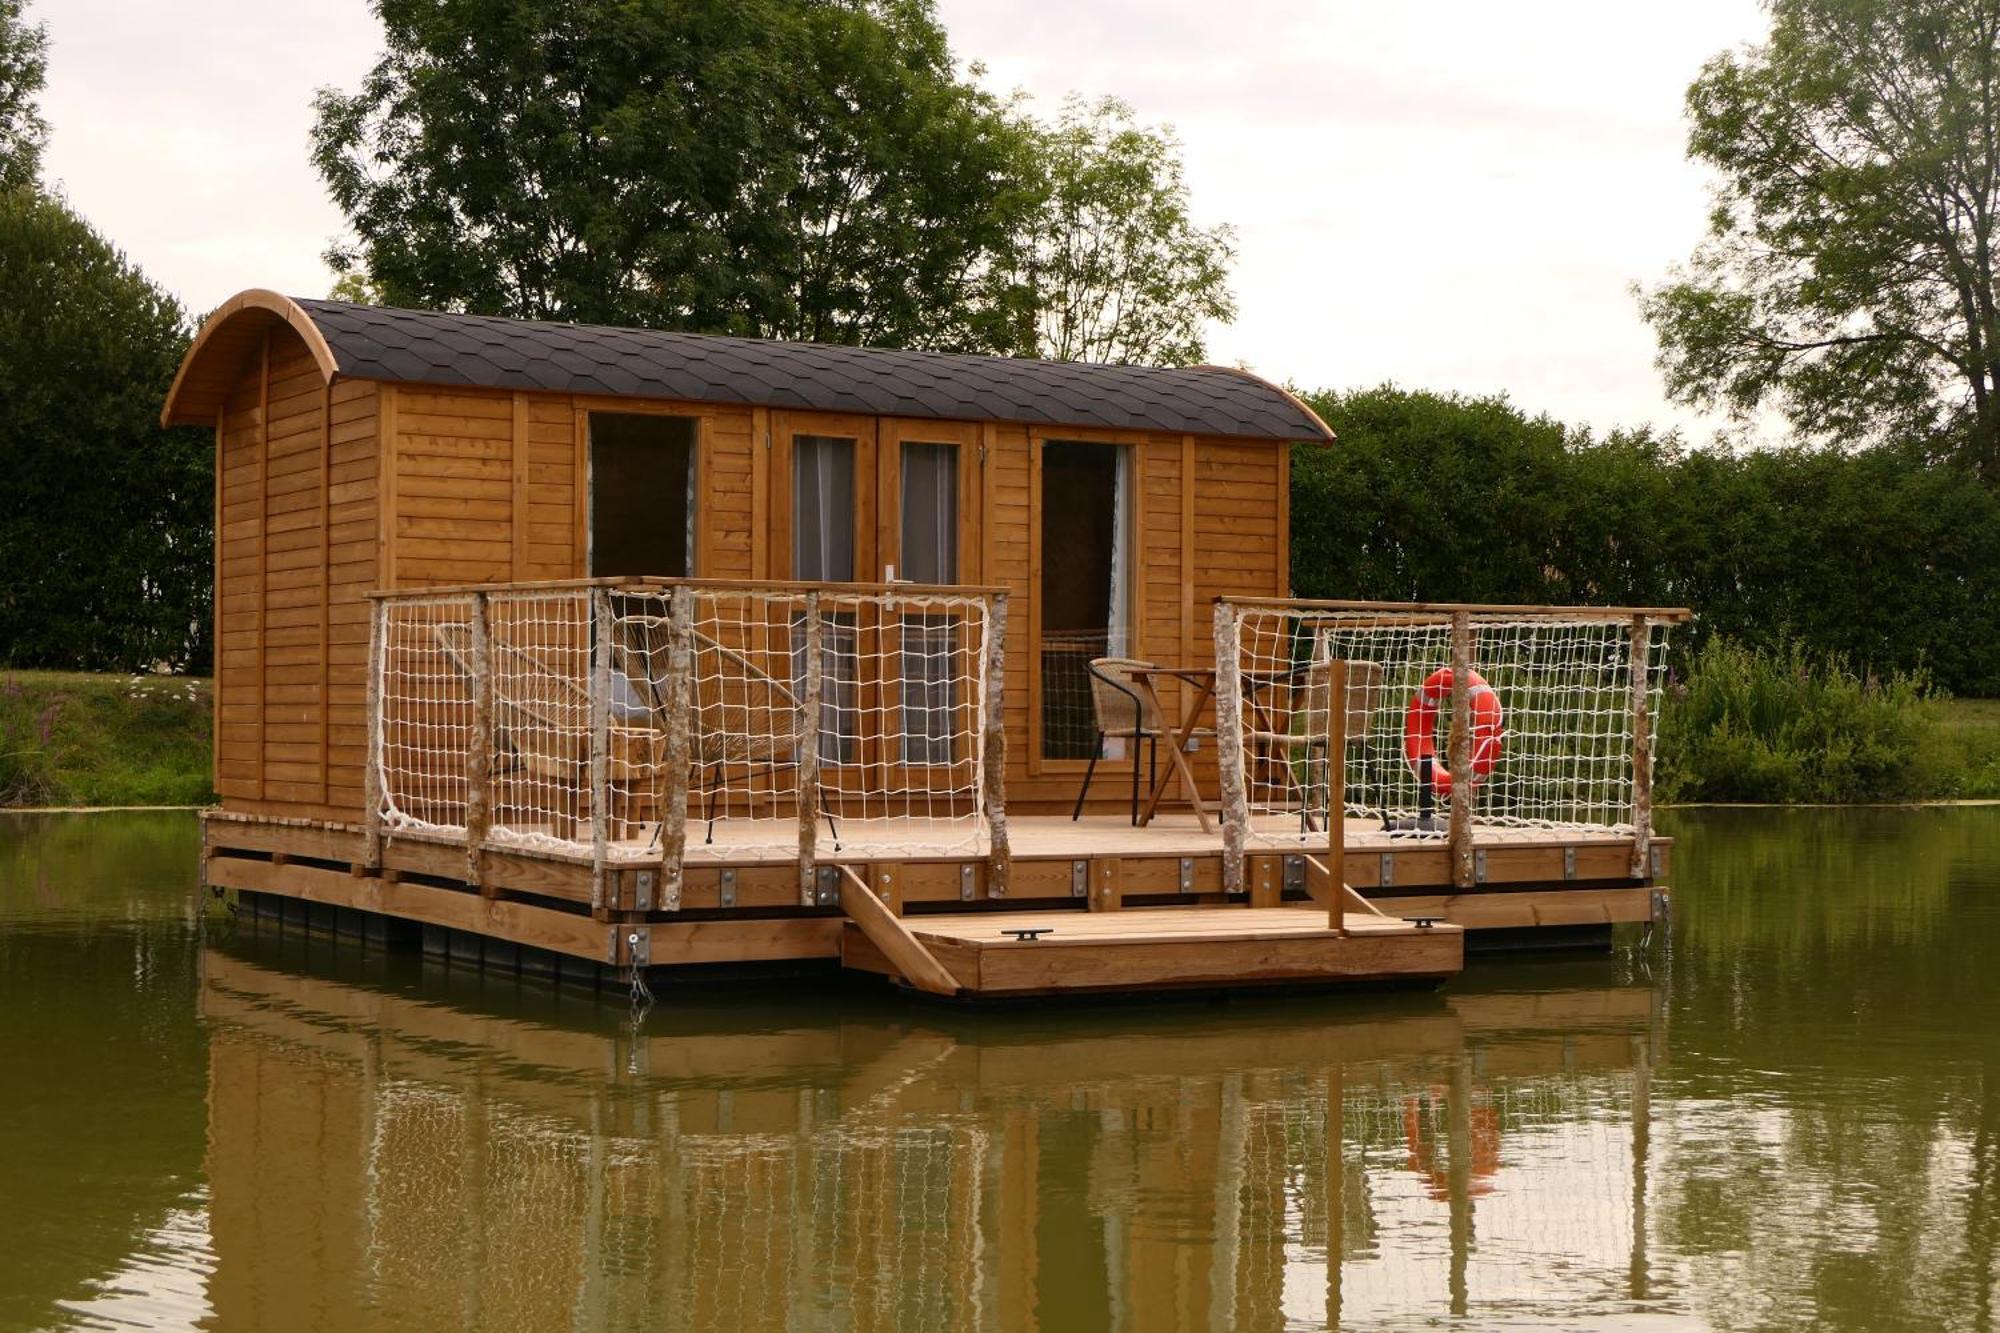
(1079, 879)
(1479, 865)
(1387, 874)
(1655, 859)
(1662, 905)
(826, 885)
(637, 946)
(965, 884)
(726, 891)
(1569, 863)
(1187, 874)
(642, 890)
(1295, 874)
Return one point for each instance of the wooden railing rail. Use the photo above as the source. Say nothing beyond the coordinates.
(1540, 699)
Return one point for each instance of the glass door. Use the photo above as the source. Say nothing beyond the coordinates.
(930, 498)
(1085, 590)
(823, 469)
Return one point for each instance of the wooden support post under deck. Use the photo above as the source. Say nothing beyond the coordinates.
(888, 933)
(1229, 746)
(809, 758)
(600, 743)
(1336, 789)
(1642, 748)
(1459, 832)
(371, 771)
(999, 856)
(673, 810)
(479, 749)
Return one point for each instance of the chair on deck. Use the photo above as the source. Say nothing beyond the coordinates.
(1123, 712)
(541, 715)
(739, 712)
(1302, 745)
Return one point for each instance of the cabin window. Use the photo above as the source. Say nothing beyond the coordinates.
(929, 487)
(642, 497)
(823, 552)
(930, 513)
(822, 509)
(1086, 585)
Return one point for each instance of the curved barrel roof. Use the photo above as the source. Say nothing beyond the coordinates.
(431, 347)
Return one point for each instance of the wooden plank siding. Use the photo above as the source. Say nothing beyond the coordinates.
(296, 556)
(368, 486)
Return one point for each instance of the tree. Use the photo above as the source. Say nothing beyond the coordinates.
(1848, 273)
(788, 168)
(23, 66)
(1113, 266)
(105, 539)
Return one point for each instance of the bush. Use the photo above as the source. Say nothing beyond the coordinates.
(1880, 556)
(1755, 724)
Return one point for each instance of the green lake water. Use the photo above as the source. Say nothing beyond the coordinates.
(1784, 1115)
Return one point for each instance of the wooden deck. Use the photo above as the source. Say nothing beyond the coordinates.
(1131, 908)
(1167, 948)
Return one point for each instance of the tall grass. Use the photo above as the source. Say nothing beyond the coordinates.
(69, 738)
(1787, 725)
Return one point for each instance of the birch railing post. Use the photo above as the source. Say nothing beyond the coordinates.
(479, 748)
(679, 701)
(371, 773)
(600, 743)
(1000, 855)
(1459, 834)
(1642, 748)
(809, 721)
(1336, 793)
(1229, 745)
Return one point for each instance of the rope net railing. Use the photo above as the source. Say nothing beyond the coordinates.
(605, 719)
(1558, 712)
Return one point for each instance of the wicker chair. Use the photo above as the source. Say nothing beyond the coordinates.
(1302, 744)
(745, 716)
(1123, 713)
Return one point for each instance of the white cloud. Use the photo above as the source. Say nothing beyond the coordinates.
(1451, 195)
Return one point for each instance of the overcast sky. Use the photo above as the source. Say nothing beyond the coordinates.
(1454, 195)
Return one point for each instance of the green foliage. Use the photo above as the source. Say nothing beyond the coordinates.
(1785, 725)
(781, 168)
(1114, 267)
(1848, 276)
(804, 169)
(105, 543)
(1882, 557)
(23, 67)
(73, 739)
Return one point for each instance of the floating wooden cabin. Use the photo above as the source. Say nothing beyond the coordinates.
(655, 649)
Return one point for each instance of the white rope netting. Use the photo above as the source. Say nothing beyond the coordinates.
(899, 749)
(1550, 712)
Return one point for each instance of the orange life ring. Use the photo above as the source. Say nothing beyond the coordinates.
(1420, 727)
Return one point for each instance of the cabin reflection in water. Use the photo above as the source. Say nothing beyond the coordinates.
(378, 1159)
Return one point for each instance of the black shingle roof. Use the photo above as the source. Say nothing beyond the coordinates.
(426, 347)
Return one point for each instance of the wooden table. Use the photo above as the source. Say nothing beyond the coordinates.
(1145, 679)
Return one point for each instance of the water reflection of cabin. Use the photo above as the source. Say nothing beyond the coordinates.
(368, 458)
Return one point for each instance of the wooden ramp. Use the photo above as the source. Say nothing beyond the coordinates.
(1164, 948)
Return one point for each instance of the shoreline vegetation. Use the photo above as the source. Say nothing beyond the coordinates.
(1738, 726)
(74, 739)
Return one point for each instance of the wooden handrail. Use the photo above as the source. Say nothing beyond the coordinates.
(1662, 614)
(651, 584)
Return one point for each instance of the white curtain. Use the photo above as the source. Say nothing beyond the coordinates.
(822, 509)
(1117, 634)
(930, 513)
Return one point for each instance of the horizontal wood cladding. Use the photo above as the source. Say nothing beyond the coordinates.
(418, 486)
(295, 557)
